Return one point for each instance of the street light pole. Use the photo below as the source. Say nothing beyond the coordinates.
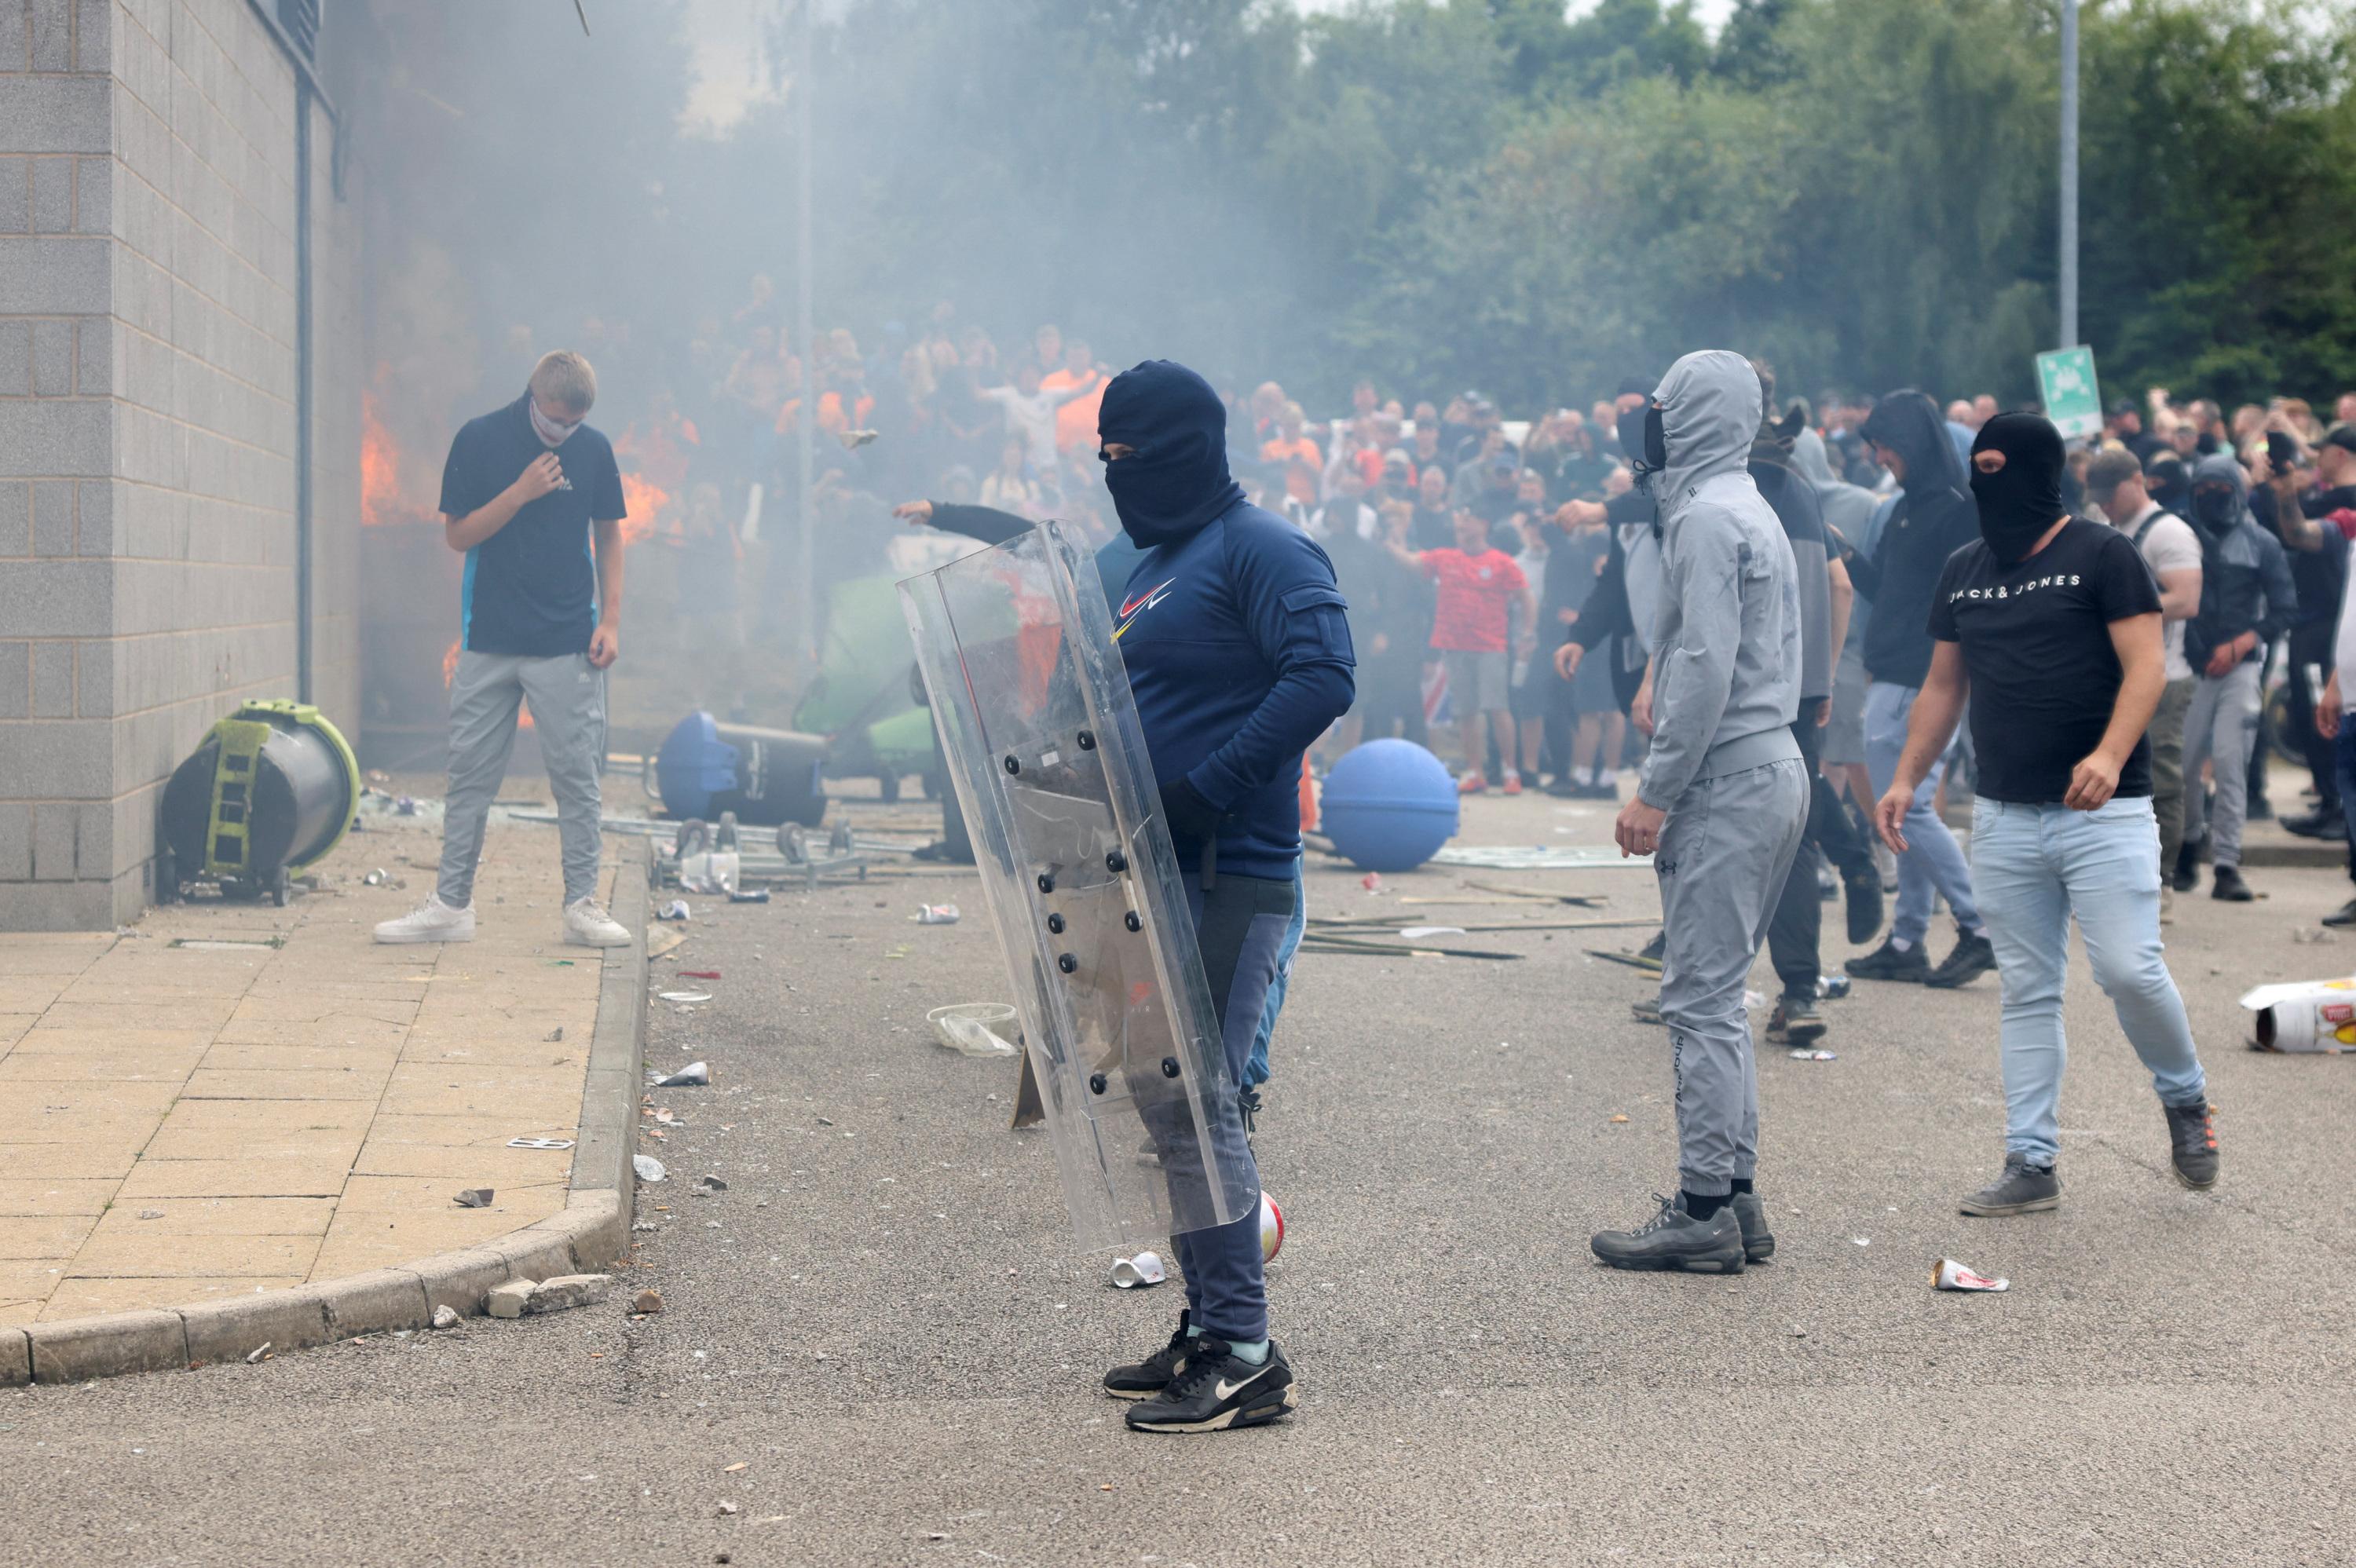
(2069, 175)
(805, 599)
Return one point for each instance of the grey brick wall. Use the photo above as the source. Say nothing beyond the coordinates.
(147, 424)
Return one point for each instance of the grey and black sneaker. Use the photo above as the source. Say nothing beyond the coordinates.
(2228, 885)
(1751, 1218)
(1796, 1022)
(1673, 1239)
(2192, 1144)
(2023, 1188)
(1972, 956)
(1217, 1389)
(1891, 962)
(1144, 1380)
(1864, 904)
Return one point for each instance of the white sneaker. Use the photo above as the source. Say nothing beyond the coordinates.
(431, 921)
(586, 925)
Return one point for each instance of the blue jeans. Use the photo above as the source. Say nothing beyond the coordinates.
(2343, 758)
(1256, 1070)
(2036, 866)
(1933, 862)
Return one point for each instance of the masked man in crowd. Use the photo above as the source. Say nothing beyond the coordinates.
(2053, 624)
(1723, 801)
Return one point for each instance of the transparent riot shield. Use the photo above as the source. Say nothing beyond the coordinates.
(1041, 734)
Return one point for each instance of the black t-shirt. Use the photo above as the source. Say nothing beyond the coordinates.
(531, 588)
(2037, 641)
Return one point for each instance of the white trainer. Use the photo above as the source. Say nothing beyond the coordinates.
(586, 925)
(431, 921)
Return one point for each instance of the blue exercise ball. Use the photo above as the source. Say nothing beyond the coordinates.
(1388, 806)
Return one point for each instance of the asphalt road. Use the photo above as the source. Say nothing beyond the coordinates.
(881, 1320)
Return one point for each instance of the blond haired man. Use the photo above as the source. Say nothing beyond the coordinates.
(525, 492)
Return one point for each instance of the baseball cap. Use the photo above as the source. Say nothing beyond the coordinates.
(2342, 436)
(2123, 406)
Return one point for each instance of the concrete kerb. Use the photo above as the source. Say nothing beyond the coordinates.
(588, 1237)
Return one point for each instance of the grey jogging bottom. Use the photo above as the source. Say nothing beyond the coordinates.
(568, 715)
(1724, 852)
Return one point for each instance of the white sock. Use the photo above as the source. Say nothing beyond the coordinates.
(1901, 944)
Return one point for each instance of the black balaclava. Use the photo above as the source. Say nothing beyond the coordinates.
(1177, 479)
(2022, 499)
(2219, 496)
(2168, 484)
(1643, 441)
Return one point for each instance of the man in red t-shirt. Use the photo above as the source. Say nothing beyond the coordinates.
(1478, 586)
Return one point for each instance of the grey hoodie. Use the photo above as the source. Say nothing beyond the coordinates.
(1726, 648)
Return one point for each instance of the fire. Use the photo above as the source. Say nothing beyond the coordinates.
(379, 469)
(644, 500)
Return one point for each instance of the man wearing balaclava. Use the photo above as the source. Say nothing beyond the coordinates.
(2051, 625)
(1722, 802)
(2247, 600)
(1238, 652)
(1932, 520)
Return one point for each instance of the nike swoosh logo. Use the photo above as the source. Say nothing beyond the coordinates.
(1139, 603)
(1228, 1390)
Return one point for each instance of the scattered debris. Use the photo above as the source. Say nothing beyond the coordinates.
(1953, 1275)
(2307, 935)
(684, 996)
(726, 1508)
(552, 1036)
(1144, 1269)
(659, 943)
(937, 914)
(1418, 932)
(732, 1469)
(1862, 1240)
(378, 877)
(540, 1143)
(648, 1166)
(646, 1302)
(852, 439)
(445, 1317)
(1371, 881)
(699, 974)
(473, 1197)
(2303, 1015)
(976, 1028)
(1616, 1116)
(258, 1354)
(675, 910)
(508, 1300)
(1831, 987)
(695, 1075)
(709, 1184)
(403, 806)
(151, 1214)
(567, 1291)
(1805, 1055)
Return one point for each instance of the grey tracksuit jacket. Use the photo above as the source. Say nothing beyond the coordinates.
(1726, 648)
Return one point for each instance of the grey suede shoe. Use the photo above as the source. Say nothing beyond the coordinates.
(1673, 1239)
(2023, 1188)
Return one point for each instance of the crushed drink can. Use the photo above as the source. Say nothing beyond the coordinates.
(1953, 1275)
(937, 914)
(1145, 1268)
(1830, 988)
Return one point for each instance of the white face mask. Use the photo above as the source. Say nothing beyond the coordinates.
(551, 433)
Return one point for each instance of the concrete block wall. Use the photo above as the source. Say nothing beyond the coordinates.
(147, 424)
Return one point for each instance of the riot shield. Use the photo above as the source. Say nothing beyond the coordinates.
(1041, 735)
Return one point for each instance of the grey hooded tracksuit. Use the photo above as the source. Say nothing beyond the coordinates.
(2246, 586)
(1726, 688)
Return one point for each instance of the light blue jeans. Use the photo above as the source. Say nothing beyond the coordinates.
(2036, 866)
(1256, 1070)
(1933, 862)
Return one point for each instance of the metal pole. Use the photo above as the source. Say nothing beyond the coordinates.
(2069, 175)
(807, 602)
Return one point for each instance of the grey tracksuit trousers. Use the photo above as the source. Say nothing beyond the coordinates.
(1725, 852)
(568, 714)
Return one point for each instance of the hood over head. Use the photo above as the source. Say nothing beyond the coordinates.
(1709, 416)
(1808, 457)
(1176, 481)
(2217, 521)
(2022, 499)
(1910, 424)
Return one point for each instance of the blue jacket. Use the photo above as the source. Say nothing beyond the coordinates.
(1238, 645)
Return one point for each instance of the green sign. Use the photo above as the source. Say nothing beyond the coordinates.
(2073, 402)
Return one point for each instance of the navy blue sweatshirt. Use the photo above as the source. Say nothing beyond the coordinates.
(1236, 637)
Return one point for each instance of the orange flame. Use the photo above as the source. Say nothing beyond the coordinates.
(643, 500)
(379, 469)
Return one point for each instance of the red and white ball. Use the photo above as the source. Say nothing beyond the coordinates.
(1271, 1228)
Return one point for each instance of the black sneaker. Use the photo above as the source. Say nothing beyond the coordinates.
(1673, 1239)
(1864, 904)
(2230, 887)
(1973, 957)
(1217, 1389)
(1751, 1218)
(2330, 824)
(1144, 1380)
(2187, 875)
(2023, 1188)
(2344, 915)
(1796, 1022)
(1888, 961)
(2192, 1144)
